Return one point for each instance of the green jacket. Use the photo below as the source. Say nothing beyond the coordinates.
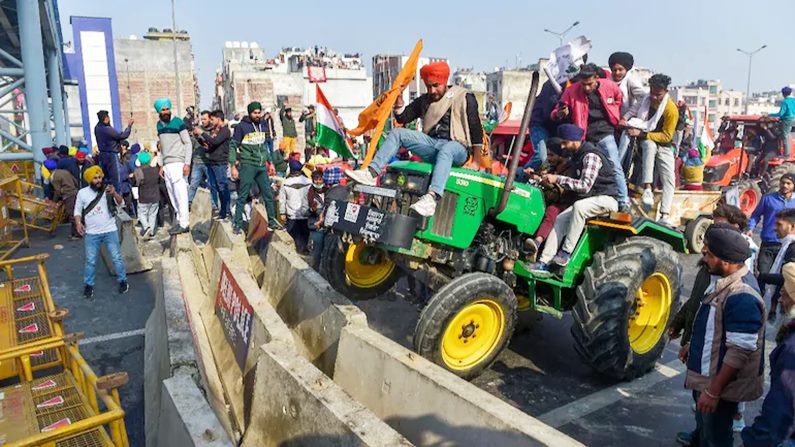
(279, 162)
(288, 125)
(248, 144)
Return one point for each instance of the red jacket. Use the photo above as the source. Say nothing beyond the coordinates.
(575, 98)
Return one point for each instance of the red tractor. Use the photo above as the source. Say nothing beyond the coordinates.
(501, 140)
(737, 159)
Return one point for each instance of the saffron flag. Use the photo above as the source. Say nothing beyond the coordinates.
(329, 133)
(377, 113)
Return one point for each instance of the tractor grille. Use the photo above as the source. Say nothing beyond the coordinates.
(445, 215)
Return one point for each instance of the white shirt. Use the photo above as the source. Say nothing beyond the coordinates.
(98, 220)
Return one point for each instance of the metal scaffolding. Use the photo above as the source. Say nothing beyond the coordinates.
(33, 106)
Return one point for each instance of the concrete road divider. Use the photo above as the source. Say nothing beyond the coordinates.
(185, 419)
(201, 213)
(425, 403)
(134, 261)
(297, 405)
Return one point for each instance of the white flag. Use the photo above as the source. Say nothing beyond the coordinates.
(565, 61)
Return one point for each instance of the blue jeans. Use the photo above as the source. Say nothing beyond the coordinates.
(444, 154)
(92, 243)
(609, 148)
(109, 162)
(538, 136)
(220, 182)
(786, 128)
(199, 172)
(623, 146)
(269, 143)
(317, 237)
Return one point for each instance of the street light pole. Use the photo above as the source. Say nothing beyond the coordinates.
(176, 62)
(129, 93)
(561, 34)
(750, 55)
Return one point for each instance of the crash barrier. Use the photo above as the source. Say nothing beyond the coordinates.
(37, 212)
(176, 412)
(24, 169)
(259, 385)
(201, 212)
(69, 407)
(134, 261)
(10, 239)
(423, 402)
(31, 317)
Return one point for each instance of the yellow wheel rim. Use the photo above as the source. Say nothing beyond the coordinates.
(367, 267)
(649, 313)
(472, 334)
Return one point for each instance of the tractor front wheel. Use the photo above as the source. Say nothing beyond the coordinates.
(627, 298)
(358, 271)
(466, 324)
(695, 231)
(749, 194)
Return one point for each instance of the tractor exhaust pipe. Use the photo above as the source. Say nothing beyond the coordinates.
(517, 147)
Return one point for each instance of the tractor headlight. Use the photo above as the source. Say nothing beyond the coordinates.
(389, 179)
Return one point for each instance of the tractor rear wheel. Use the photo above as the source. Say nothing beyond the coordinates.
(749, 194)
(358, 271)
(466, 324)
(772, 178)
(695, 231)
(628, 296)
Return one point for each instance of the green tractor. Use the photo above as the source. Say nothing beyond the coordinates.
(622, 282)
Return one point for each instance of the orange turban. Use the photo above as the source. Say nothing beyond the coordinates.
(437, 72)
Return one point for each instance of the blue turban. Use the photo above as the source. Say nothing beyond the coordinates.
(786, 91)
(50, 164)
(570, 132)
(295, 166)
(135, 148)
(162, 102)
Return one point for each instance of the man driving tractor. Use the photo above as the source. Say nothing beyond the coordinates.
(451, 129)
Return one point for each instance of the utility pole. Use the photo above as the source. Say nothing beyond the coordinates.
(176, 61)
(562, 34)
(750, 55)
(129, 93)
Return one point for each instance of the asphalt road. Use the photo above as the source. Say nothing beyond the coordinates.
(112, 323)
(541, 374)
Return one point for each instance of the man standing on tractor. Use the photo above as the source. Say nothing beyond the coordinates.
(594, 105)
(770, 204)
(786, 117)
(653, 122)
(451, 129)
(725, 356)
(596, 189)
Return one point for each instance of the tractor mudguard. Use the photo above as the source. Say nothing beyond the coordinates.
(642, 226)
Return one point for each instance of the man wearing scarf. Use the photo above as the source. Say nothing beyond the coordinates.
(724, 359)
(109, 143)
(652, 121)
(785, 230)
(451, 128)
(176, 152)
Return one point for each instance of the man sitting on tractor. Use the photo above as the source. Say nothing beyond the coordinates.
(451, 128)
(596, 188)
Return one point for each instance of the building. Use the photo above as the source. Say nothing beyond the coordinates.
(124, 77)
(709, 95)
(289, 78)
(386, 68)
(765, 103)
(473, 81)
(512, 85)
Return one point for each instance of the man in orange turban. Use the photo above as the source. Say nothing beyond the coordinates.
(451, 129)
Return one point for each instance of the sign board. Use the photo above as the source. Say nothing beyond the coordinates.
(370, 223)
(235, 314)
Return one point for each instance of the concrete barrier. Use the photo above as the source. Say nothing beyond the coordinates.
(297, 405)
(168, 353)
(134, 261)
(425, 403)
(185, 419)
(201, 213)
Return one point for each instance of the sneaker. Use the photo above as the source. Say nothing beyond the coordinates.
(561, 259)
(361, 176)
(665, 220)
(148, 233)
(178, 230)
(237, 231)
(88, 292)
(273, 226)
(738, 425)
(685, 438)
(624, 208)
(142, 233)
(123, 287)
(426, 206)
(648, 198)
(538, 267)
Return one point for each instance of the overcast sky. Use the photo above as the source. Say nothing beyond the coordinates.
(688, 40)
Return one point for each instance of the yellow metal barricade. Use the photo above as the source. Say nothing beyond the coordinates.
(24, 169)
(71, 407)
(10, 237)
(28, 316)
(34, 210)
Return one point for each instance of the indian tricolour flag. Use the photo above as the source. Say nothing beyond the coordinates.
(330, 133)
(702, 137)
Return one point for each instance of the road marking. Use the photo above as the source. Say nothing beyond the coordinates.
(110, 337)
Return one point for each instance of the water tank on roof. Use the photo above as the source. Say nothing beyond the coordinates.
(167, 30)
(133, 37)
(244, 44)
(228, 44)
(183, 31)
(254, 45)
(236, 44)
(152, 29)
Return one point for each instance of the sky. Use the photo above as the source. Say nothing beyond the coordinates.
(685, 39)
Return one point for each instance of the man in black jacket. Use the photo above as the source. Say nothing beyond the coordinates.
(216, 144)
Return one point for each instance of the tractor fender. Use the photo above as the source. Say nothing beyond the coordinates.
(642, 226)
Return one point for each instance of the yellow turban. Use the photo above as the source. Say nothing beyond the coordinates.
(89, 173)
(72, 151)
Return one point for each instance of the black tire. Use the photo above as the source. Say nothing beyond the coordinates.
(695, 231)
(605, 302)
(453, 298)
(332, 267)
(772, 178)
(750, 194)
